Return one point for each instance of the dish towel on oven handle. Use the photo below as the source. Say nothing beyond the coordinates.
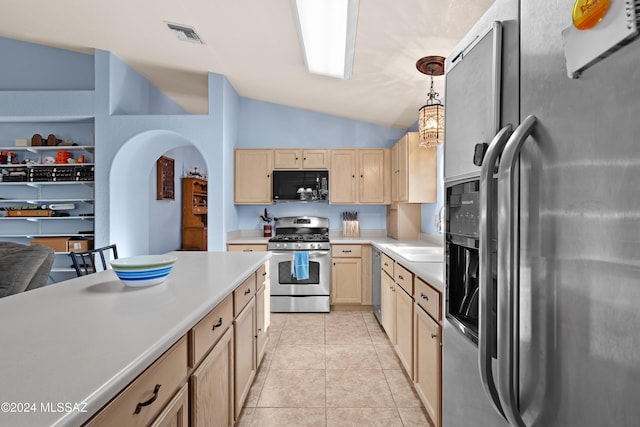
(300, 265)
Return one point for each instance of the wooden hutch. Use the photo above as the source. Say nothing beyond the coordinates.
(194, 214)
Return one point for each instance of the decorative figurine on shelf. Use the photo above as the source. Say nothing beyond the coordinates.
(194, 173)
(267, 230)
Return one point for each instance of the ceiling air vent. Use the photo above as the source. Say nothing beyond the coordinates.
(185, 33)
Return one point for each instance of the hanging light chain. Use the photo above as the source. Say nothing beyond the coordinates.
(432, 96)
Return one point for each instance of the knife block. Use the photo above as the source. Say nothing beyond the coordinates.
(350, 228)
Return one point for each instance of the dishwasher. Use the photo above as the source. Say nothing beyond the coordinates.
(376, 285)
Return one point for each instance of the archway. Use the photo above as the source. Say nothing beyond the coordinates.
(129, 188)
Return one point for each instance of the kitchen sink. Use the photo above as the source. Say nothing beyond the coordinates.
(420, 253)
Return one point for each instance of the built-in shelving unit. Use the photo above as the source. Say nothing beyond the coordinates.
(63, 193)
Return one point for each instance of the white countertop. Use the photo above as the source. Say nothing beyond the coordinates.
(82, 341)
(431, 272)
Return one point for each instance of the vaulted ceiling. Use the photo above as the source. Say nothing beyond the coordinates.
(254, 43)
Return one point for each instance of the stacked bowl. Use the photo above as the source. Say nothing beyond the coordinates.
(143, 270)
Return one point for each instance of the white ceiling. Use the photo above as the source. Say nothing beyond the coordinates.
(254, 44)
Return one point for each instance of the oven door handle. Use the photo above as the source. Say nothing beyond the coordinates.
(312, 253)
(486, 331)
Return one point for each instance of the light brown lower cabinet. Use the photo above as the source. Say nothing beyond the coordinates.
(147, 396)
(248, 247)
(245, 354)
(388, 306)
(428, 363)
(205, 377)
(346, 281)
(404, 329)
(212, 385)
(176, 413)
(262, 338)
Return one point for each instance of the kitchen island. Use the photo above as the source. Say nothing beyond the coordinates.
(69, 348)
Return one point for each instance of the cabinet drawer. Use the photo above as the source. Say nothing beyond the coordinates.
(388, 265)
(243, 294)
(205, 334)
(428, 298)
(148, 394)
(346, 251)
(253, 247)
(404, 278)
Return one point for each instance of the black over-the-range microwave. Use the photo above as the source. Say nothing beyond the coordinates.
(305, 185)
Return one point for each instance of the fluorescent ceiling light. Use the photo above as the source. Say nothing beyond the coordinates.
(327, 31)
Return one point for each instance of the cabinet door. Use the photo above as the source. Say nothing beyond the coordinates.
(342, 181)
(371, 176)
(394, 173)
(176, 413)
(428, 363)
(403, 170)
(245, 354)
(315, 159)
(404, 329)
(212, 386)
(252, 176)
(287, 159)
(261, 327)
(388, 307)
(346, 281)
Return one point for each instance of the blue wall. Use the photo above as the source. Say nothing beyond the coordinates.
(29, 66)
(131, 93)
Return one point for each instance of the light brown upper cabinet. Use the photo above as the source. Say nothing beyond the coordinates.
(252, 176)
(300, 159)
(360, 176)
(413, 171)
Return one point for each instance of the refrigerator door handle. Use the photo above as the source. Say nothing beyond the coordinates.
(508, 275)
(486, 330)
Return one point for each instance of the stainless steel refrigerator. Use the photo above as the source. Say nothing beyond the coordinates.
(542, 175)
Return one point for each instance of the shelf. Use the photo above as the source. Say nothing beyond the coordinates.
(47, 218)
(36, 149)
(43, 165)
(41, 201)
(31, 236)
(40, 183)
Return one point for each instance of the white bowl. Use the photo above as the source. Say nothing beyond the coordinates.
(143, 262)
(145, 270)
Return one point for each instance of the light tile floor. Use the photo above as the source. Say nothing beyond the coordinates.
(334, 369)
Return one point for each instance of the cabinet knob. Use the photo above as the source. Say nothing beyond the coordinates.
(434, 335)
(424, 297)
(361, 176)
(400, 277)
(248, 291)
(304, 158)
(353, 176)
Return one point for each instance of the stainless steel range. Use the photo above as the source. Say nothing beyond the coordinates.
(289, 291)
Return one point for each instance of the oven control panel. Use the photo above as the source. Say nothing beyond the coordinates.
(299, 246)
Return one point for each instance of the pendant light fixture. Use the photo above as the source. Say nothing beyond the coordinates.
(431, 115)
